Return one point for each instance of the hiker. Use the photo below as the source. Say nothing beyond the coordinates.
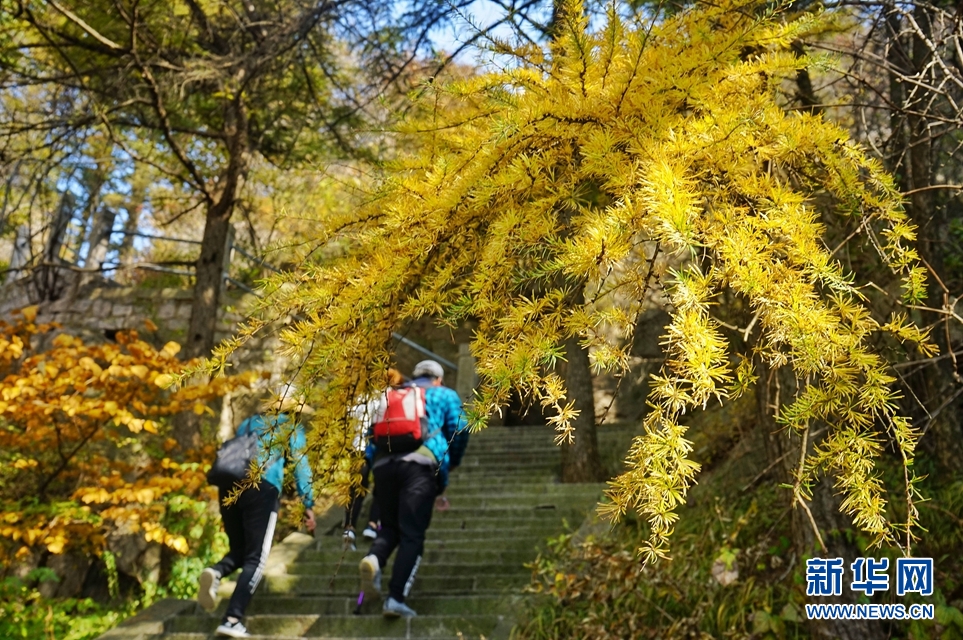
(249, 522)
(364, 412)
(409, 472)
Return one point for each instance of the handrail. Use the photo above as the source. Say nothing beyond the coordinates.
(147, 235)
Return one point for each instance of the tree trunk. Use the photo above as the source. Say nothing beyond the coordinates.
(99, 239)
(210, 264)
(209, 274)
(48, 280)
(580, 460)
(134, 206)
(804, 84)
(774, 388)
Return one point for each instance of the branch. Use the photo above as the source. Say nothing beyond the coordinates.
(86, 27)
(955, 187)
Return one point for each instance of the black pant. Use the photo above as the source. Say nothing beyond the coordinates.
(357, 498)
(249, 524)
(405, 494)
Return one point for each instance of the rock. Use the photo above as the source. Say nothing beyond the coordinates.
(72, 570)
(725, 571)
(135, 556)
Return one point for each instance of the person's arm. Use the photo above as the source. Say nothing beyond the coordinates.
(302, 475)
(455, 428)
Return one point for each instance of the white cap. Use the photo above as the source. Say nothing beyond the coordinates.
(428, 368)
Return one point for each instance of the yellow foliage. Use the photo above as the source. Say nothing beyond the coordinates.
(636, 165)
(68, 415)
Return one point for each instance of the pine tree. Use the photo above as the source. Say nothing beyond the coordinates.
(559, 197)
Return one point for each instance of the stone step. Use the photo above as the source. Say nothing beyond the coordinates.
(539, 524)
(542, 471)
(345, 605)
(348, 583)
(502, 481)
(441, 554)
(349, 626)
(507, 514)
(486, 539)
(492, 488)
(426, 569)
(483, 458)
(481, 503)
(473, 539)
(316, 626)
(459, 510)
(211, 636)
(539, 444)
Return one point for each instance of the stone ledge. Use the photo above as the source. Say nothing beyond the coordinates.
(282, 554)
(152, 622)
(286, 552)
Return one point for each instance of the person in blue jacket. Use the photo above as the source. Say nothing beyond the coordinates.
(249, 522)
(406, 485)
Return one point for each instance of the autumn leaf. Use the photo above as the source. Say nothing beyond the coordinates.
(55, 545)
(164, 380)
(171, 349)
(140, 371)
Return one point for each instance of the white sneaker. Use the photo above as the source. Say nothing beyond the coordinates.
(208, 583)
(233, 630)
(370, 574)
(369, 533)
(394, 609)
(349, 539)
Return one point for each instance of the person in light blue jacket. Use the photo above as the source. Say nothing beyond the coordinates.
(249, 522)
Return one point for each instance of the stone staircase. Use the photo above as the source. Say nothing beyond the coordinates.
(506, 500)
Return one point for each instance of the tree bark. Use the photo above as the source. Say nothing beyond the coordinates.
(581, 461)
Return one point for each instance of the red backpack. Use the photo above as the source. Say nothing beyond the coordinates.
(401, 420)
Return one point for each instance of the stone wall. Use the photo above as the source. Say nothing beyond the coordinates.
(100, 308)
